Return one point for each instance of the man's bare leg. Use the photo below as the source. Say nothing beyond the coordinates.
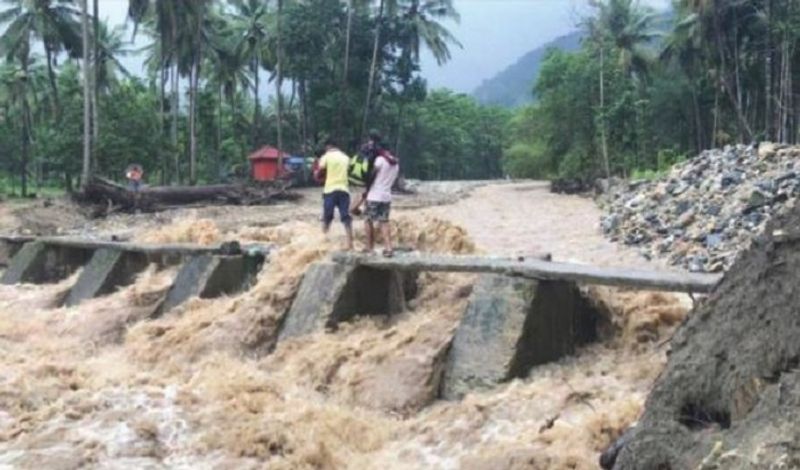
(387, 237)
(370, 229)
(348, 228)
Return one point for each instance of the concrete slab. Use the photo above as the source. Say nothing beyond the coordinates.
(512, 324)
(209, 276)
(334, 292)
(39, 263)
(107, 271)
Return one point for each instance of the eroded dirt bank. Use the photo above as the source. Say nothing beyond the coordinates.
(101, 384)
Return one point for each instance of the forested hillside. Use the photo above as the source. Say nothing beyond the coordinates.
(513, 86)
(722, 73)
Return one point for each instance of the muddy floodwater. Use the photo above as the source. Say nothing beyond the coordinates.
(106, 385)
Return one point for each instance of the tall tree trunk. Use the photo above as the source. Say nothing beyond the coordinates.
(698, 121)
(218, 153)
(257, 112)
(51, 75)
(730, 88)
(373, 67)
(303, 111)
(161, 96)
(193, 72)
(346, 69)
(174, 131)
(95, 74)
(603, 139)
(87, 97)
(769, 119)
(278, 83)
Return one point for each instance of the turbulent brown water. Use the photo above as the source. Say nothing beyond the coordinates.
(104, 385)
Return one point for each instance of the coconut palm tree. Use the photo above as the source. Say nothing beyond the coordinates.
(386, 8)
(420, 24)
(110, 48)
(251, 23)
(53, 22)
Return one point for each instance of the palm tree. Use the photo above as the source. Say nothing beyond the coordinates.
(629, 27)
(625, 26)
(251, 24)
(53, 22)
(110, 48)
(161, 17)
(390, 8)
(194, 40)
(227, 73)
(420, 25)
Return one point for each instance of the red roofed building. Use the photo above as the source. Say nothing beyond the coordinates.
(264, 163)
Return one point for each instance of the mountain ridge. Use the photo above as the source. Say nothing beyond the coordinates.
(513, 86)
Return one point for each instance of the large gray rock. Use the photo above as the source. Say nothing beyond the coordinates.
(210, 276)
(38, 263)
(108, 270)
(512, 324)
(334, 292)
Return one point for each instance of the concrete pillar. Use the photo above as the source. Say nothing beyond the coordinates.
(39, 263)
(209, 276)
(334, 292)
(107, 271)
(512, 324)
(8, 249)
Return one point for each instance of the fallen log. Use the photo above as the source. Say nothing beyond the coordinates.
(107, 196)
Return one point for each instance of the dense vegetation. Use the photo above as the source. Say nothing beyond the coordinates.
(637, 95)
(633, 99)
(343, 67)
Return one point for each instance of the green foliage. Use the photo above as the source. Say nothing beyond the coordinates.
(527, 161)
(450, 136)
(722, 75)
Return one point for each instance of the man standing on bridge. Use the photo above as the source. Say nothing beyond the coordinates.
(379, 200)
(335, 164)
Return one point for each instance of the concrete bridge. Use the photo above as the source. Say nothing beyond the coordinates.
(206, 271)
(521, 312)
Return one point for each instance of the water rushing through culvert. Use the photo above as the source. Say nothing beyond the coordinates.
(202, 387)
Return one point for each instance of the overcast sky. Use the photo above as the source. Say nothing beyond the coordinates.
(494, 33)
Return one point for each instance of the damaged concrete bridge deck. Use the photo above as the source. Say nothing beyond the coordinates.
(521, 313)
(205, 271)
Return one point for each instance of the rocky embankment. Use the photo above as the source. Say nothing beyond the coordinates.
(707, 209)
(729, 397)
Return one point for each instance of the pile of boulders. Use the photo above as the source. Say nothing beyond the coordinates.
(706, 209)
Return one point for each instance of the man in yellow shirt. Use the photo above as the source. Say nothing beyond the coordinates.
(336, 194)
